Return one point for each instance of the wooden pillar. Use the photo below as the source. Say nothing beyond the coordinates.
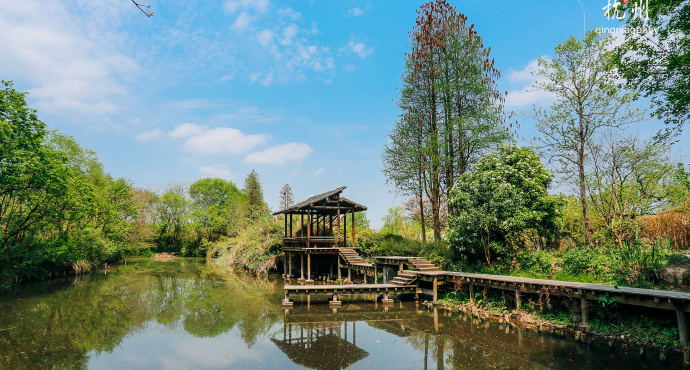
(308, 228)
(365, 276)
(285, 234)
(682, 324)
(585, 309)
(309, 267)
(345, 230)
(291, 225)
(517, 298)
(290, 265)
(340, 276)
(353, 228)
(338, 221)
(285, 264)
(376, 273)
(330, 225)
(471, 292)
(349, 274)
(301, 266)
(435, 289)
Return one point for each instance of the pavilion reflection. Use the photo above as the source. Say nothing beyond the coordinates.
(325, 345)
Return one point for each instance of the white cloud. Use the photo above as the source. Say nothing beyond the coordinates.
(289, 13)
(223, 140)
(319, 171)
(232, 6)
(359, 48)
(216, 170)
(281, 154)
(243, 21)
(289, 33)
(527, 95)
(73, 62)
(148, 135)
(525, 75)
(356, 12)
(287, 50)
(186, 129)
(264, 37)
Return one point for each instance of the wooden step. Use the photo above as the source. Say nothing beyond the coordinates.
(429, 269)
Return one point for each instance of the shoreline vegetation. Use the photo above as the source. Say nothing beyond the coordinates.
(488, 205)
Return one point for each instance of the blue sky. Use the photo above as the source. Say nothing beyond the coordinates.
(302, 91)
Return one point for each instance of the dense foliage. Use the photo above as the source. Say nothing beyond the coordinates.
(59, 210)
(656, 59)
(504, 194)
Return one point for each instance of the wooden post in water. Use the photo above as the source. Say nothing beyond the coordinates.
(285, 264)
(309, 267)
(301, 266)
(517, 298)
(585, 308)
(290, 265)
(682, 324)
(435, 289)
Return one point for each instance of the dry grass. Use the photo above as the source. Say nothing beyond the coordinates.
(671, 225)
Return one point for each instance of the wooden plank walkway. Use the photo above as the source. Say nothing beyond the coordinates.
(664, 294)
(384, 290)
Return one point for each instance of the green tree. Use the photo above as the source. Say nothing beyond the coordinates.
(255, 193)
(657, 61)
(212, 202)
(173, 214)
(589, 99)
(504, 193)
(451, 110)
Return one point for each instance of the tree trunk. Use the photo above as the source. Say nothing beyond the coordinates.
(583, 190)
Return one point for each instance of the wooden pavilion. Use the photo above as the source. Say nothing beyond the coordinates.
(316, 233)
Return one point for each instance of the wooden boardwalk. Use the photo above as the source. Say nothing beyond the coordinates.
(383, 290)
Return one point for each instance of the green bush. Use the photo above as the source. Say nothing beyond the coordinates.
(537, 262)
(579, 260)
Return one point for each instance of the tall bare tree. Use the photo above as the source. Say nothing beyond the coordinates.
(286, 197)
(589, 98)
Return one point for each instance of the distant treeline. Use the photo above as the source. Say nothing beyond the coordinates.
(60, 212)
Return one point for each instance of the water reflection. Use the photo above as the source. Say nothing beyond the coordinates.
(185, 313)
(59, 322)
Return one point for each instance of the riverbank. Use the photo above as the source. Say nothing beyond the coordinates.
(641, 331)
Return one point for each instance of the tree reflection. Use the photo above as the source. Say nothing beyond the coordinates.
(58, 326)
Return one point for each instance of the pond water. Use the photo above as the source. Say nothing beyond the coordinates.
(184, 313)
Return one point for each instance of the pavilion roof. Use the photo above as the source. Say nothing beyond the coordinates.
(325, 203)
